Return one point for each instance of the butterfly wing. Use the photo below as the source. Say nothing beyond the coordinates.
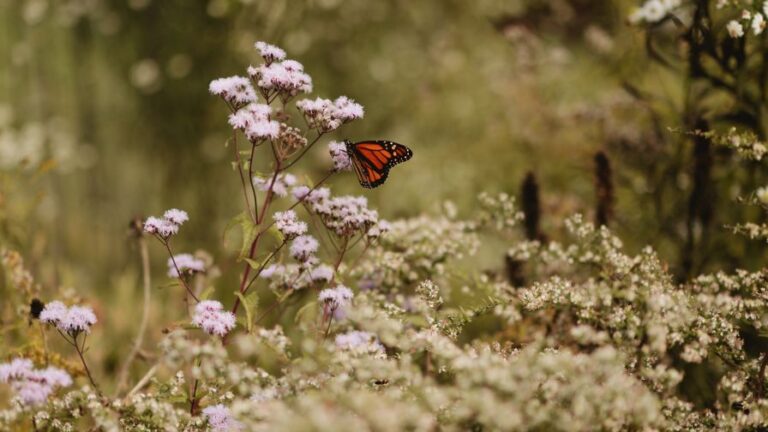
(372, 160)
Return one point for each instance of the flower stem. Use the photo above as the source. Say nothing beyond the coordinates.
(144, 253)
(85, 364)
(178, 272)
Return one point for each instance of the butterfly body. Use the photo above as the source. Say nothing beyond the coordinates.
(372, 160)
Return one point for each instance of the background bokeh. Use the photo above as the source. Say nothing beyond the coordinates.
(105, 117)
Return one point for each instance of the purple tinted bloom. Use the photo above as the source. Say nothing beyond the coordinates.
(53, 313)
(339, 156)
(360, 342)
(321, 273)
(71, 320)
(176, 216)
(78, 319)
(235, 90)
(270, 53)
(31, 392)
(328, 115)
(166, 226)
(220, 419)
(261, 130)
(347, 109)
(32, 386)
(186, 263)
(280, 186)
(272, 270)
(303, 247)
(18, 368)
(286, 77)
(251, 113)
(212, 318)
(289, 225)
(54, 376)
(337, 297)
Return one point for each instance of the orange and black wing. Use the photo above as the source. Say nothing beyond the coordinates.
(373, 159)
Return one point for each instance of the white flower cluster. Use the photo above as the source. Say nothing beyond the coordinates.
(326, 115)
(417, 249)
(235, 90)
(220, 419)
(212, 318)
(754, 20)
(279, 185)
(339, 156)
(337, 297)
(289, 224)
(286, 78)
(297, 276)
(166, 226)
(186, 264)
(359, 342)
(254, 121)
(346, 216)
(654, 11)
(270, 53)
(303, 248)
(72, 320)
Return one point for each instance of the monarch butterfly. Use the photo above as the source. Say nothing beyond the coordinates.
(373, 159)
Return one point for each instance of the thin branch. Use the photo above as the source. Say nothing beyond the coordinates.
(178, 272)
(242, 179)
(262, 266)
(306, 149)
(85, 365)
(123, 375)
(250, 181)
(142, 382)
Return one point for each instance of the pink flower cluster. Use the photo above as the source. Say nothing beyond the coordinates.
(281, 183)
(303, 248)
(337, 297)
(344, 215)
(359, 341)
(254, 121)
(212, 318)
(166, 226)
(309, 196)
(235, 90)
(339, 156)
(285, 77)
(72, 320)
(321, 273)
(270, 53)
(220, 419)
(382, 227)
(186, 263)
(32, 386)
(298, 276)
(289, 224)
(327, 115)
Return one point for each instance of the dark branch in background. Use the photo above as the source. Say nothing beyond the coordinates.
(603, 189)
(701, 202)
(529, 193)
(531, 206)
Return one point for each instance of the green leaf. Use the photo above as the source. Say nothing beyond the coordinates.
(250, 303)
(304, 309)
(276, 234)
(206, 294)
(255, 264)
(249, 231)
